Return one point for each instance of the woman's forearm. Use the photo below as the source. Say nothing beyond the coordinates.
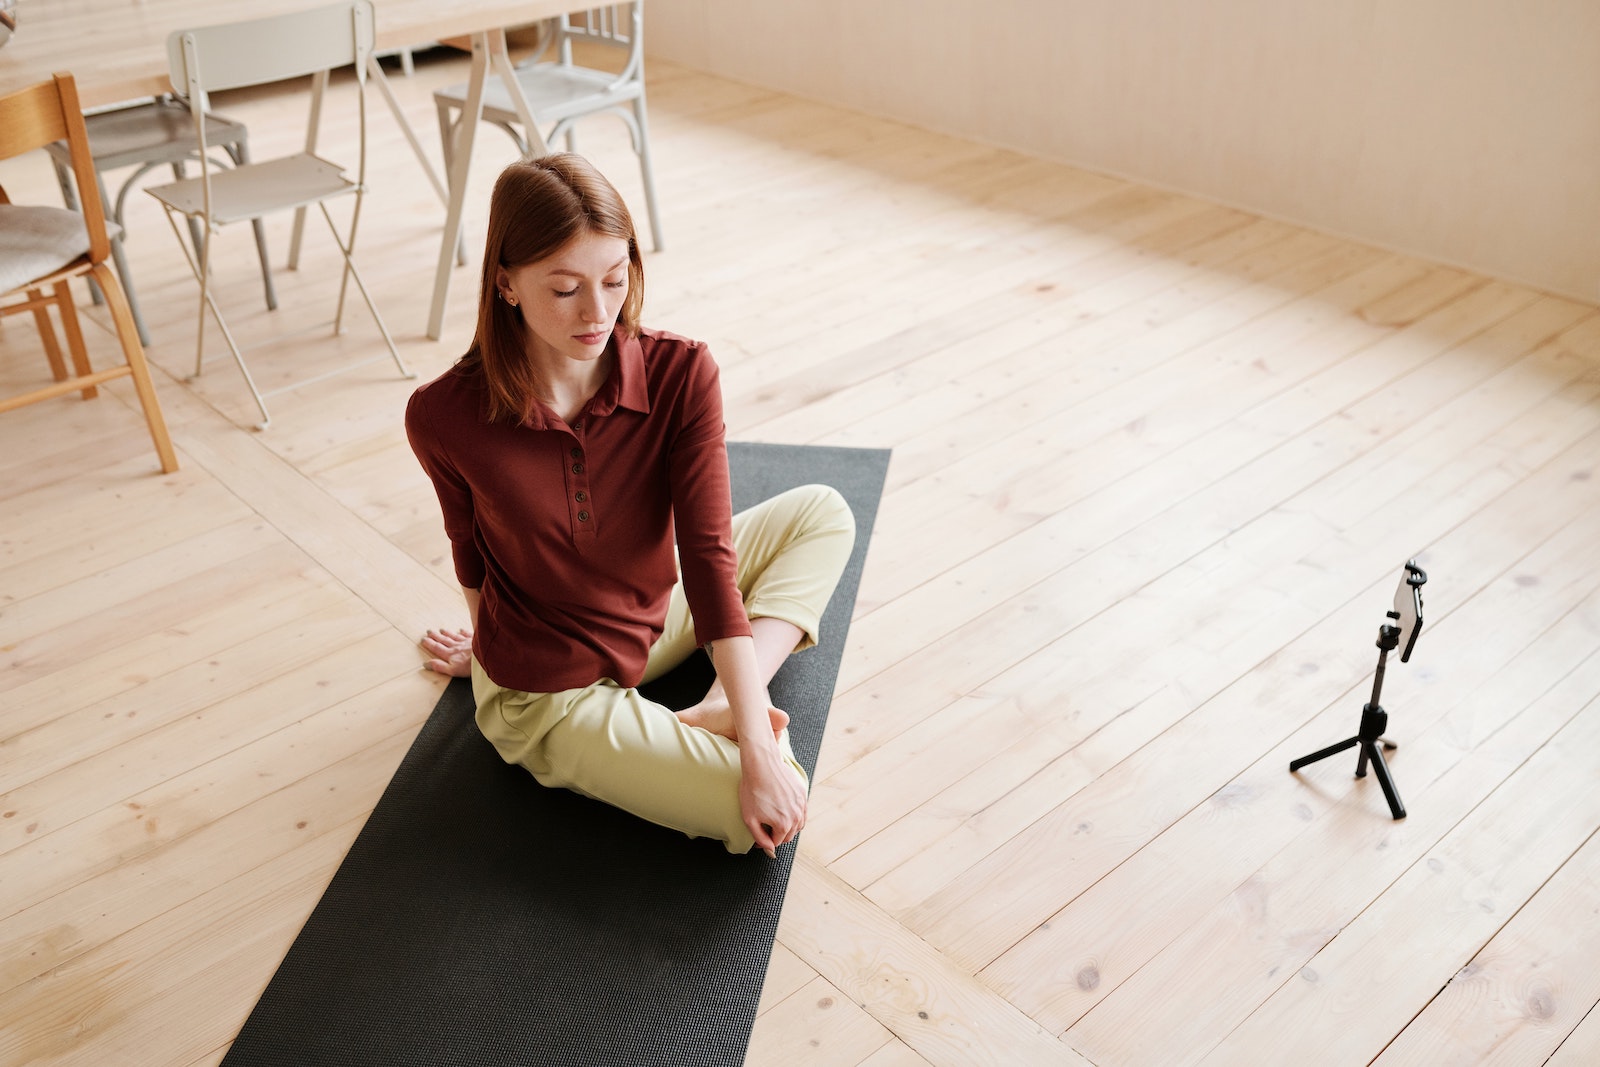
(772, 797)
(739, 674)
(473, 597)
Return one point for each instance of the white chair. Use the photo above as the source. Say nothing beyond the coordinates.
(561, 92)
(146, 135)
(256, 52)
(46, 247)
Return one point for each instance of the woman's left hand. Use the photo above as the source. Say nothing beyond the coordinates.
(451, 651)
(772, 798)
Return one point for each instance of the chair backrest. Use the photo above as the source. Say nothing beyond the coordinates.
(258, 51)
(613, 25)
(42, 114)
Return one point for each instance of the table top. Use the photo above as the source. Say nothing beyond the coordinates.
(117, 49)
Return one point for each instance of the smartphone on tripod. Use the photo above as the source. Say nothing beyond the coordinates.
(1407, 611)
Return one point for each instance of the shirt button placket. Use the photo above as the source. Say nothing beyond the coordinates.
(579, 480)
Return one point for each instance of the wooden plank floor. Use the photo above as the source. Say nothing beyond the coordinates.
(1157, 465)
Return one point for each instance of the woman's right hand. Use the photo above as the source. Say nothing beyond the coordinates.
(772, 797)
(451, 651)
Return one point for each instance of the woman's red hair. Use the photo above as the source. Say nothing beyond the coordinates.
(537, 207)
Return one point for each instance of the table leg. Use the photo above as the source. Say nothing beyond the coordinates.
(488, 50)
(500, 58)
(460, 166)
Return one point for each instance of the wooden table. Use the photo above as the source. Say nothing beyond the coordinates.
(117, 50)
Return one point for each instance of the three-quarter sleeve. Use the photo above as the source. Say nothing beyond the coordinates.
(455, 496)
(702, 507)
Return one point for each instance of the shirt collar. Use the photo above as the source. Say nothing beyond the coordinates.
(626, 387)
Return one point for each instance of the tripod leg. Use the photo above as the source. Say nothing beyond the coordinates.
(1323, 753)
(1361, 763)
(1381, 769)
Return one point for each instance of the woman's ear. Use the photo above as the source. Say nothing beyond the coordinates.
(502, 280)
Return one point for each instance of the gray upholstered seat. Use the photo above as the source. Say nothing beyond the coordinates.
(37, 241)
(146, 135)
(42, 249)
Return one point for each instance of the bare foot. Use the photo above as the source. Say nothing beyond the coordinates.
(718, 718)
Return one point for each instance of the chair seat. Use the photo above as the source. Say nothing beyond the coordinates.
(155, 132)
(255, 189)
(553, 91)
(558, 93)
(37, 241)
(265, 50)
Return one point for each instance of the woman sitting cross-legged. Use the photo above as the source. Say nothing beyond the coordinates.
(581, 467)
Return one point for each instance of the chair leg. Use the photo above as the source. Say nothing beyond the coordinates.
(121, 261)
(181, 172)
(344, 275)
(69, 197)
(105, 198)
(197, 267)
(74, 333)
(361, 286)
(208, 301)
(523, 148)
(201, 274)
(138, 367)
(447, 140)
(266, 264)
(647, 173)
(114, 214)
(47, 334)
(240, 154)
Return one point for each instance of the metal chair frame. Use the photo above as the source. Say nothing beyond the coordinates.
(561, 92)
(255, 52)
(147, 135)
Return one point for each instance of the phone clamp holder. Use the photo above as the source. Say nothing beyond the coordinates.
(1406, 621)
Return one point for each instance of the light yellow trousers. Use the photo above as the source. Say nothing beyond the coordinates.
(608, 742)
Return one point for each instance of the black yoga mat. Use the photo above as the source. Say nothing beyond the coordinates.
(485, 921)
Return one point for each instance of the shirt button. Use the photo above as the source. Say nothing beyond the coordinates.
(583, 516)
(577, 468)
(580, 496)
(577, 453)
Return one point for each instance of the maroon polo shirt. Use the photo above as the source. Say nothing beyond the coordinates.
(567, 530)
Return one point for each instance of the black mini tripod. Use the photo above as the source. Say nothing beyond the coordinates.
(1407, 622)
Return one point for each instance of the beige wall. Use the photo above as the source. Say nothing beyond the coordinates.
(1466, 131)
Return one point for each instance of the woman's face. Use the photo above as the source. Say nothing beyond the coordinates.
(570, 299)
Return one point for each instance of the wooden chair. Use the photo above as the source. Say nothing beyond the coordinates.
(258, 52)
(46, 247)
(560, 91)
